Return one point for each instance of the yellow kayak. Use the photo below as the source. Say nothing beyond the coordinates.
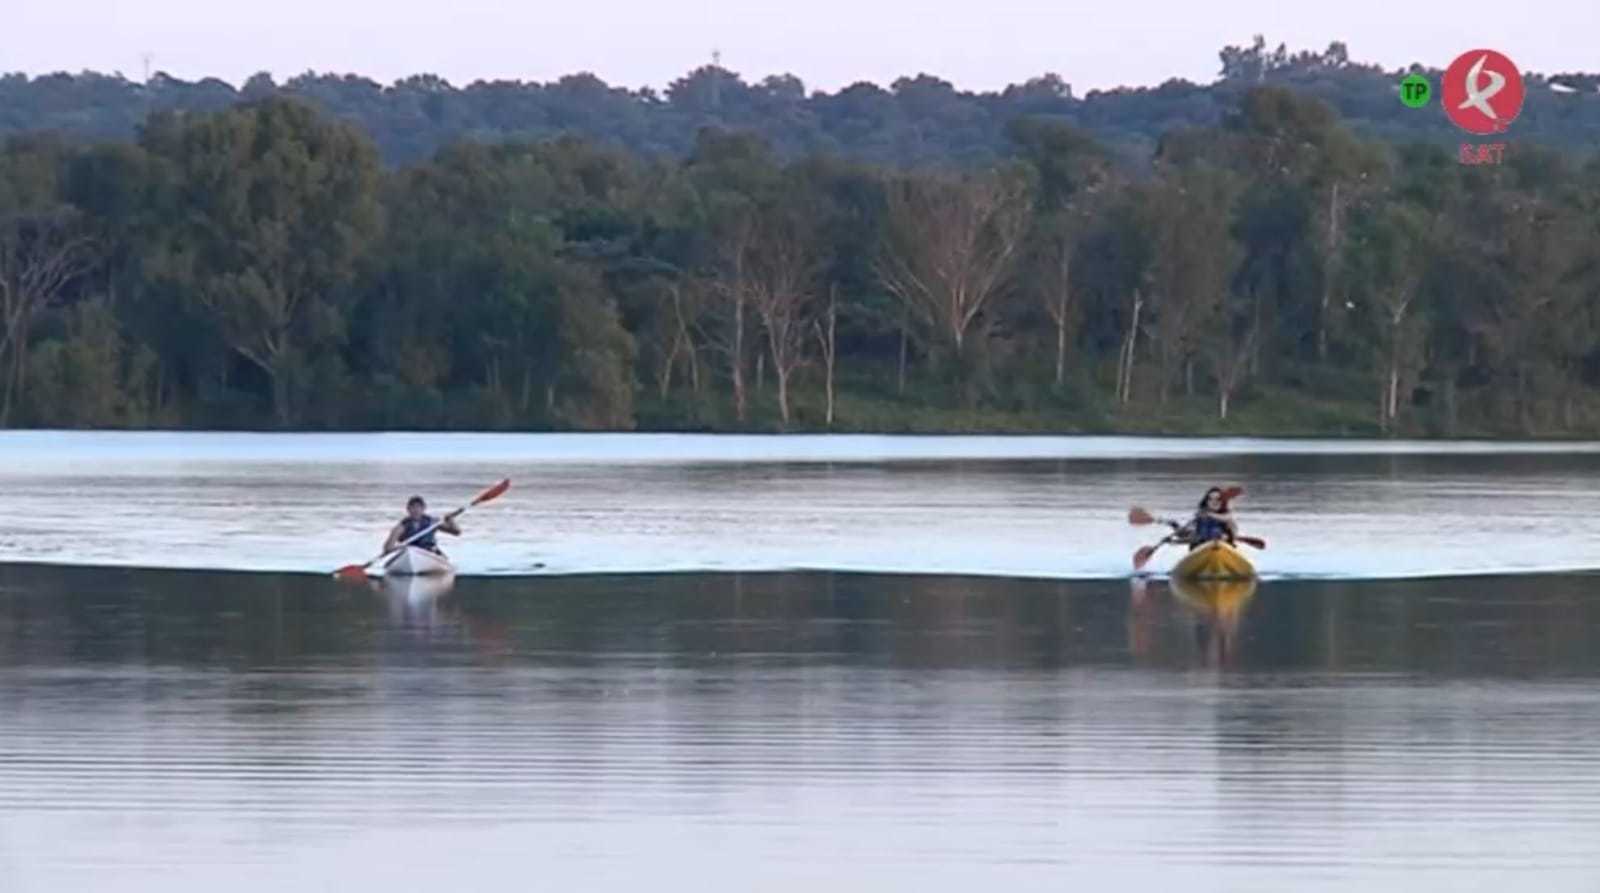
(1222, 598)
(1215, 560)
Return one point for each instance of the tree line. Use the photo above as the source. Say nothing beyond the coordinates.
(259, 266)
(914, 120)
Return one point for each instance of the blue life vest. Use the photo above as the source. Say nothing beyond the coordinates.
(410, 528)
(1207, 528)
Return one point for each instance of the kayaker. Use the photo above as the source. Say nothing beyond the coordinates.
(417, 520)
(1212, 521)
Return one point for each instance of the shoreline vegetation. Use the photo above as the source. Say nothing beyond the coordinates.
(1282, 253)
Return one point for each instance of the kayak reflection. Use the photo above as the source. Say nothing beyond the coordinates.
(1200, 620)
(1220, 605)
(417, 588)
(414, 601)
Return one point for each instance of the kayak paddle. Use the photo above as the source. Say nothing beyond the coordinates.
(1139, 517)
(1142, 557)
(359, 571)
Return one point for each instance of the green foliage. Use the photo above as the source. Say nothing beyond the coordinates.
(1271, 269)
(88, 376)
(278, 209)
(916, 120)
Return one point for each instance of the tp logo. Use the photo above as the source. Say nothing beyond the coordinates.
(1483, 91)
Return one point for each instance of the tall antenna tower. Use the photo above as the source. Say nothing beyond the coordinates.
(147, 58)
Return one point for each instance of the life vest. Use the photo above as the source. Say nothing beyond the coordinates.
(410, 527)
(1208, 527)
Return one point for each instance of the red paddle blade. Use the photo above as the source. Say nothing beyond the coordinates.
(1252, 541)
(1138, 515)
(493, 492)
(1229, 494)
(1142, 557)
(351, 572)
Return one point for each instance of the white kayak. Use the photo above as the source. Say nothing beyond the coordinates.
(406, 589)
(416, 562)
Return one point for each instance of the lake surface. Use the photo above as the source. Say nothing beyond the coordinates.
(179, 731)
(798, 663)
(1020, 506)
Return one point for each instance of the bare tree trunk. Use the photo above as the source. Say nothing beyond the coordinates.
(1255, 326)
(1392, 400)
(737, 360)
(280, 399)
(1133, 346)
(827, 342)
(783, 394)
(1330, 269)
(833, 347)
(1399, 305)
(1168, 373)
(12, 385)
(782, 273)
(1058, 304)
(1232, 365)
(1061, 340)
(9, 390)
(950, 249)
(492, 377)
(41, 256)
(665, 376)
(724, 328)
(900, 375)
(1130, 345)
(1383, 412)
(686, 338)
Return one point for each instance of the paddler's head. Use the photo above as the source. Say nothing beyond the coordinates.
(1215, 501)
(416, 507)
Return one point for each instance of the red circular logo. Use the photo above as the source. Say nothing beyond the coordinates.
(1483, 91)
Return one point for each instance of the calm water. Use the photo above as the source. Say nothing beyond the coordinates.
(1391, 710)
(175, 731)
(1044, 507)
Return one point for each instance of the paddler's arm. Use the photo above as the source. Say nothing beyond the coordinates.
(393, 542)
(1182, 534)
(448, 525)
(1230, 525)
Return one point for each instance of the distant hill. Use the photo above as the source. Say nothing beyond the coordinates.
(918, 119)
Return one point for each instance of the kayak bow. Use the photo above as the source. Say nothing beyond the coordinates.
(414, 561)
(1216, 560)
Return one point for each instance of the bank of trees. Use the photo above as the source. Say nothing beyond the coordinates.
(258, 265)
(914, 120)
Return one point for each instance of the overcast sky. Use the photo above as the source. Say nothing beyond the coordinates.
(978, 44)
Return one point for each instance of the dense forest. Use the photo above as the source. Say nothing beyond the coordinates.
(915, 120)
(1262, 265)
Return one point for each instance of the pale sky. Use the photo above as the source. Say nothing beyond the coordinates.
(977, 44)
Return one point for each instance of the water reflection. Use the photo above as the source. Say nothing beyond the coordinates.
(176, 732)
(1546, 625)
(1180, 622)
(416, 601)
(1219, 606)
